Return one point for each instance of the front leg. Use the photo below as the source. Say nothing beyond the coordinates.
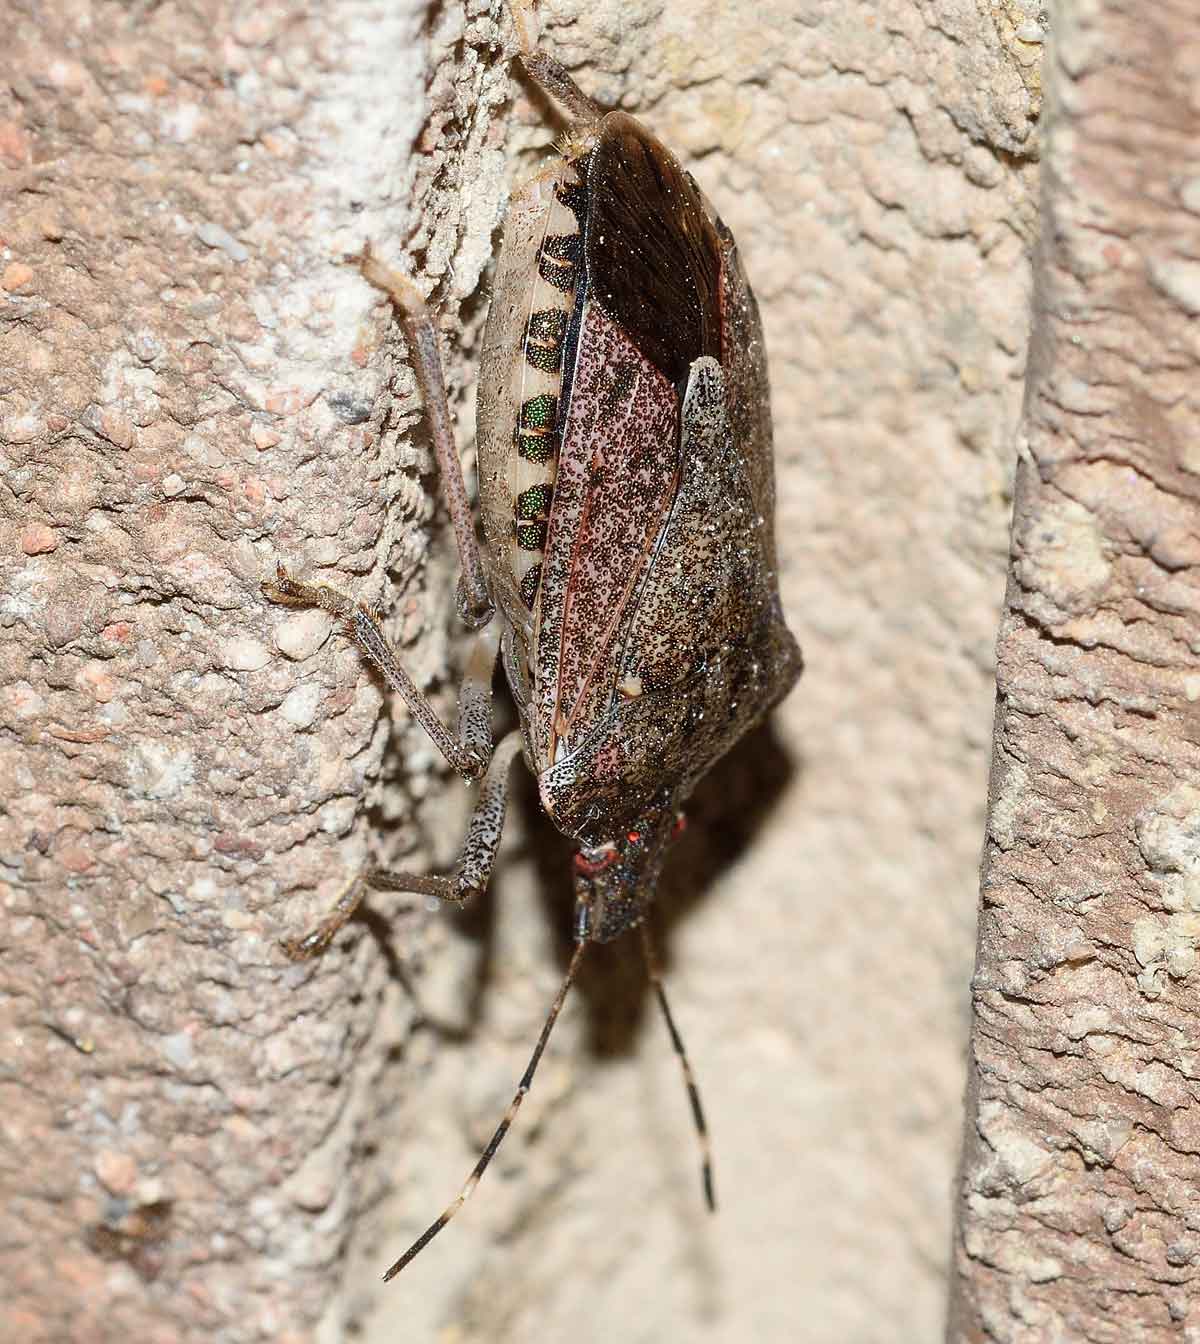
(470, 875)
(474, 600)
(549, 73)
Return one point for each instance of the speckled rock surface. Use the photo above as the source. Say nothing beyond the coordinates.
(194, 387)
(201, 1141)
(1079, 1189)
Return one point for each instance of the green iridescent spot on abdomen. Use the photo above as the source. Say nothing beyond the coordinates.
(535, 437)
(531, 536)
(534, 503)
(539, 412)
(544, 339)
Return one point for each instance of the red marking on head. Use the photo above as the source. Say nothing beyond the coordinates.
(589, 867)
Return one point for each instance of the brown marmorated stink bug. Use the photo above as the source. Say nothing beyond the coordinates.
(627, 577)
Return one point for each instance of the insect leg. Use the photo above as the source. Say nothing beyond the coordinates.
(470, 748)
(318, 938)
(689, 1080)
(473, 870)
(501, 1130)
(471, 873)
(474, 601)
(548, 73)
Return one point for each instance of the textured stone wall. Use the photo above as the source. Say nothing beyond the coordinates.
(1079, 1204)
(204, 1141)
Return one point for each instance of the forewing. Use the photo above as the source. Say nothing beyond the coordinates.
(652, 307)
(617, 476)
(706, 652)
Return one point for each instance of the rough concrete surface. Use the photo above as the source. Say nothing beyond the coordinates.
(1079, 1196)
(202, 1141)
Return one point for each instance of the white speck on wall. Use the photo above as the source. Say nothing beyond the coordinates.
(337, 817)
(299, 636)
(1018, 1157)
(155, 771)
(180, 122)
(203, 891)
(1180, 281)
(214, 236)
(245, 655)
(1168, 831)
(22, 598)
(1149, 940)
(1066, 561)
(23, 701)
(178, 1049)
(22, 428)
(1043, 1269)
(300, 705)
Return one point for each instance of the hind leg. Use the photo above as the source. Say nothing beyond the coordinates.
(470, 875)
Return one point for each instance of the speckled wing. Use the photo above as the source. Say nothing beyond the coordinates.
(651, 306)
(705, 654)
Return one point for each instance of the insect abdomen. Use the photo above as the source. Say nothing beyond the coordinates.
(528, 347)
(538, 377)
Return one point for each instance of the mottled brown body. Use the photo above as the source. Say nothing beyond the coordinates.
(651, 636)
(627, 579)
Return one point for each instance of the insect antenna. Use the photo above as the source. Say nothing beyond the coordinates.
(654, 974)
(502, 1129)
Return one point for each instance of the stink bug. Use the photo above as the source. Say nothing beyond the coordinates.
(627, 577)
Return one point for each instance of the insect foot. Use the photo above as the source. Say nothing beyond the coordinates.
(626, 580)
